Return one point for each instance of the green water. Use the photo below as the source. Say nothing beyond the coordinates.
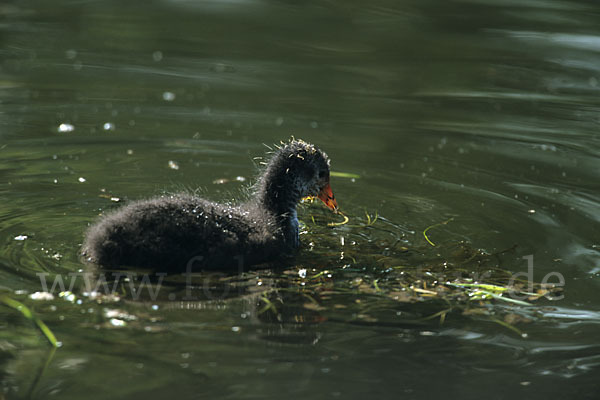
(486, 112)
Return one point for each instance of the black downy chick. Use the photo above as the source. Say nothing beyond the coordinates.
(171, 233)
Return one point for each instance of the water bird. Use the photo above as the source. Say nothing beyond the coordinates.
(181, 232)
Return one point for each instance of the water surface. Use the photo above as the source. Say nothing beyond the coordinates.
(486, 112)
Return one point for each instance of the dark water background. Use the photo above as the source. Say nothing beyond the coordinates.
(484, 111)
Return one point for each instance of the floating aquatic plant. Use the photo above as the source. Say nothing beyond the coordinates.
(371, 274)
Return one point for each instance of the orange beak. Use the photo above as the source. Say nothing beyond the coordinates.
(328, 198)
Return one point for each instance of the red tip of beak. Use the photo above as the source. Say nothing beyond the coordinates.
(328, 198)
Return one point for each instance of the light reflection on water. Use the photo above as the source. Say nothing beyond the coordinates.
(460, 109)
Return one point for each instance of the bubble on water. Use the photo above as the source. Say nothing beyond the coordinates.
(442, 143)
(108, 126)
(64, 128)
(71, 54)
(117, 322)
(21, 237)
(173, 165)
(168, 96)
(67, 295)
(157, 56)
(547, 147)
(81, 179)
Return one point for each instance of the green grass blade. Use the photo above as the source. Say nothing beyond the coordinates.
(22, 308)
(344, 175)
(508, 326)
(507, 299)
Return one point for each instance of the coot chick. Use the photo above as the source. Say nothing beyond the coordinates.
(180, 232)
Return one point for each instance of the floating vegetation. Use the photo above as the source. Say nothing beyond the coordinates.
(311, 199)
(421, 294)
(371, 221)
(345, 221)
(433, 226)
(379, 275)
